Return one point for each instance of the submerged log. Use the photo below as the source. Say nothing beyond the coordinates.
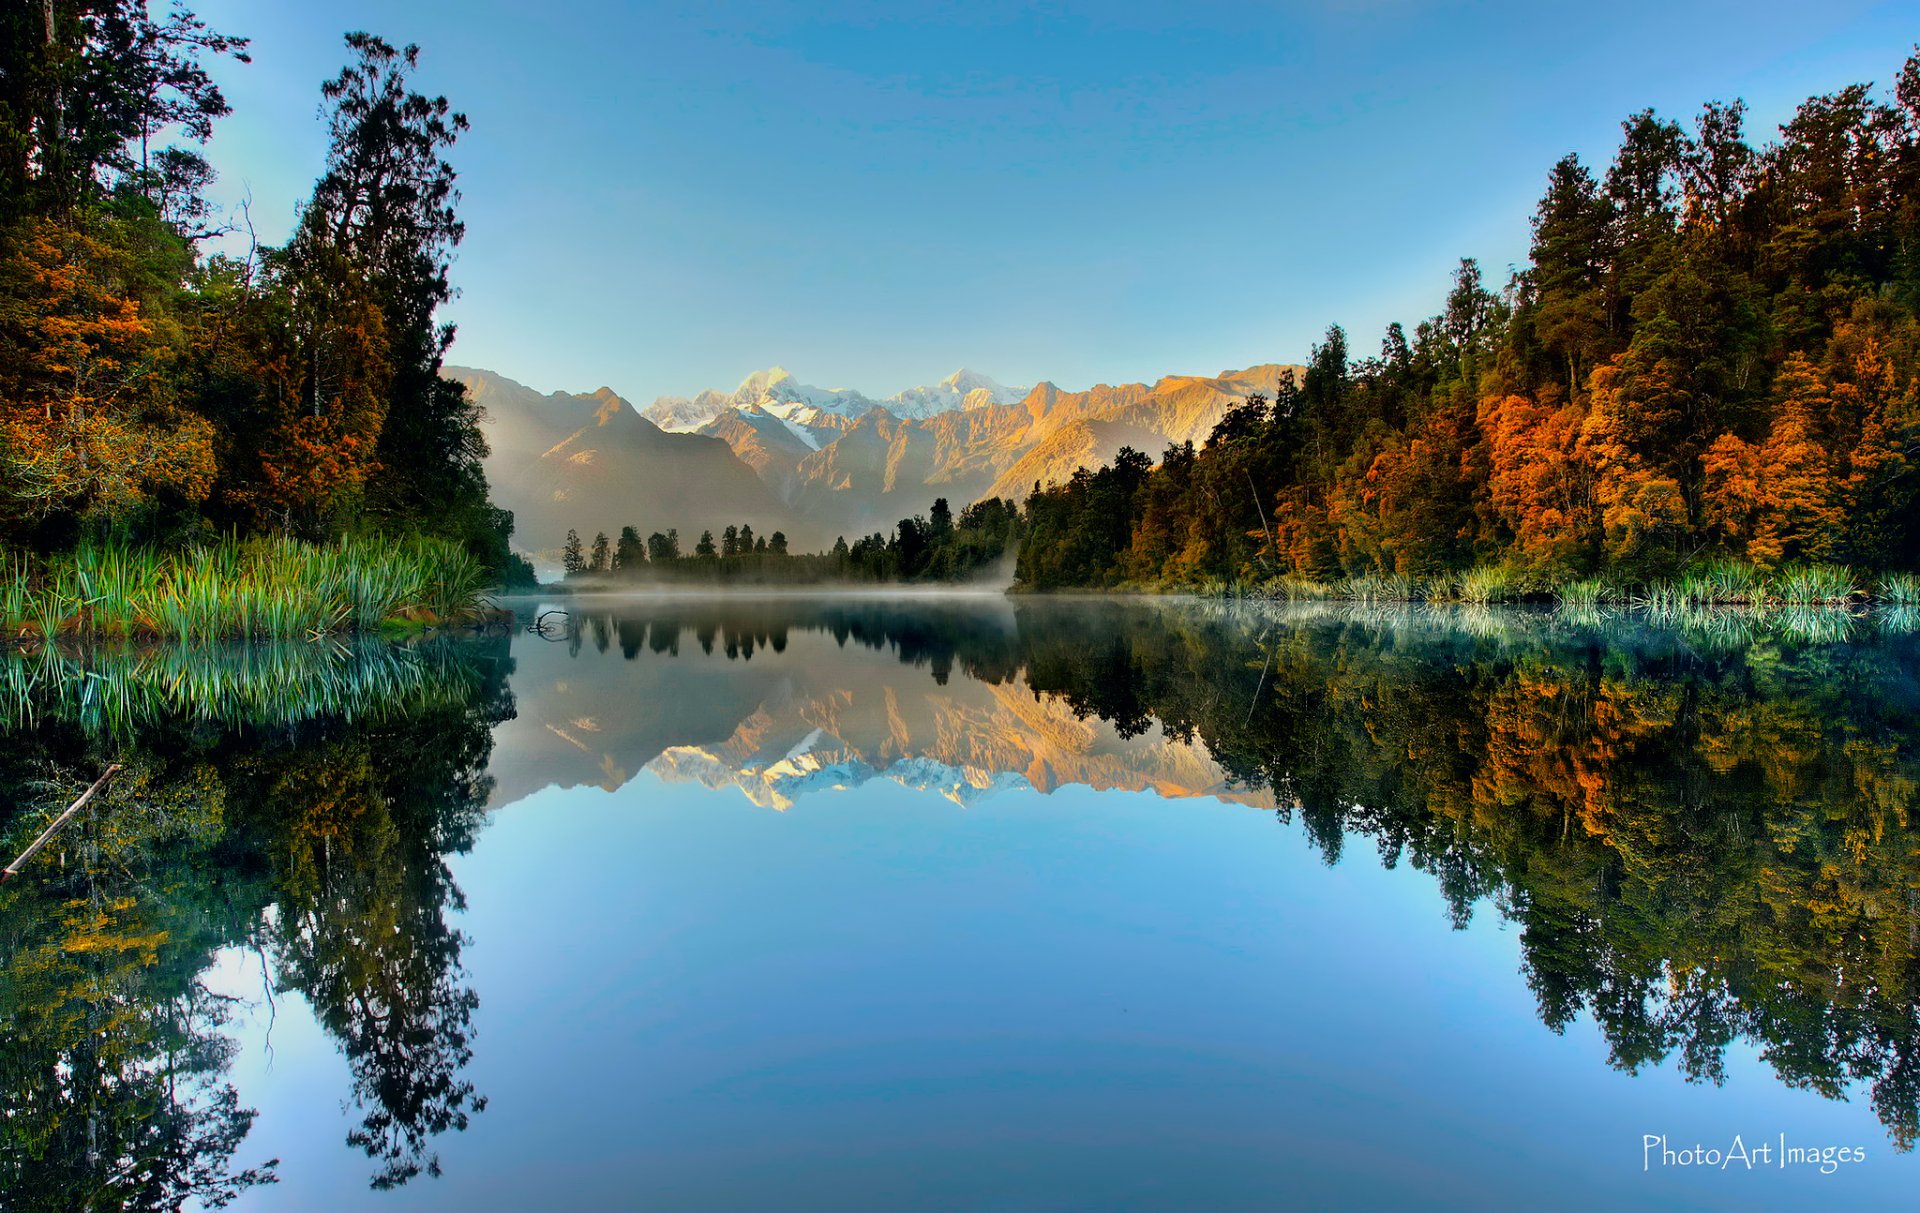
(46, 835)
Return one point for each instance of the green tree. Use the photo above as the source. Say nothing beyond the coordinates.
(383, 211)
(631, 553)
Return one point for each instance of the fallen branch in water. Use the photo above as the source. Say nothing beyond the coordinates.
(13, 869)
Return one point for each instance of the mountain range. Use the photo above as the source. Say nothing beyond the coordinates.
(815, 462)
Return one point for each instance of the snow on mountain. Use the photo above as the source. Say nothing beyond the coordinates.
(964, 389)
(815, 767)
(797, 428)
(681, 415)
(774, 390)
(777, 392)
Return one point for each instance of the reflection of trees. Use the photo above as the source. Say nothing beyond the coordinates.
(112, 1058)
(112, 1061)
(1698, 846)
(358, 823)
(930, 634)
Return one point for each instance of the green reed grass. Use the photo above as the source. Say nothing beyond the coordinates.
(1814, 584)
(275, 588)
(1585, 594)
(1711, 584)
(1488, 584)
(1899, 590)
(1380, 587)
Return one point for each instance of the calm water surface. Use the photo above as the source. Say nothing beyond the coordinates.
(829, 904)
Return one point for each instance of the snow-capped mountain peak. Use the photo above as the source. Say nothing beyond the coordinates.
(964, 389)
(776, 391)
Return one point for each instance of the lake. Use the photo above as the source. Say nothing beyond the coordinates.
(972, 903)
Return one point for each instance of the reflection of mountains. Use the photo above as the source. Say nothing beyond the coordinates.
(780, 700)
(1700, 839)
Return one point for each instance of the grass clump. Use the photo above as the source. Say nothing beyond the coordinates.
(1586, 594)
(1815, 584)
(1379, 587)
(1899, 590)
(274, 588)
(1487, 584)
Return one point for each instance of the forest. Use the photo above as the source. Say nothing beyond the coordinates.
(936, 547)
(157, 396)
(1709, 363)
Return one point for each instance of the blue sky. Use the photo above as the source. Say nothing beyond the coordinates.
(663, 198)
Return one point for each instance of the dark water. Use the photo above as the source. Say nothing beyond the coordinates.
(972, 905)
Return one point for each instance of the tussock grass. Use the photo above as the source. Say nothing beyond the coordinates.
(1488, 584)
(1815, 584)
(1585, 594)
(1380, 587)
(274, 588)
(1899, 590)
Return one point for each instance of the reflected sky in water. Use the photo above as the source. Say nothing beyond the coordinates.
(1114, 906)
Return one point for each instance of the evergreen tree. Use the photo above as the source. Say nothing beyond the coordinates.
(630, 555)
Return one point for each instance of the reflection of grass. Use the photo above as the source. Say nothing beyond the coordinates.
(1712, 583)
(1706, 627)
(1897, 619)
(113, 690)
(269, 588)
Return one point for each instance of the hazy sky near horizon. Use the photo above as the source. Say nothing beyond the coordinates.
(663, 198)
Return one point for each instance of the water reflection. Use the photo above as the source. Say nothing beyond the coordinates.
(1702, 836)
(302, 809)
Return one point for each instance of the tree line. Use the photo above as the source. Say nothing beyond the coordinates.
(1712, 354)
(153, 393)
(936, 547)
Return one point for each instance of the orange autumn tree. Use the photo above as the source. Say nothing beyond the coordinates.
(1874, 362)
(1408, 513)
(320, 359)
(1800, 515)
(1779, 499)
(88, 423)
(1643, 512)
(1539, 487)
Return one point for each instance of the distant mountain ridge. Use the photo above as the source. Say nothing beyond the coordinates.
(819, 463)
(592, 463)
(776, 391)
